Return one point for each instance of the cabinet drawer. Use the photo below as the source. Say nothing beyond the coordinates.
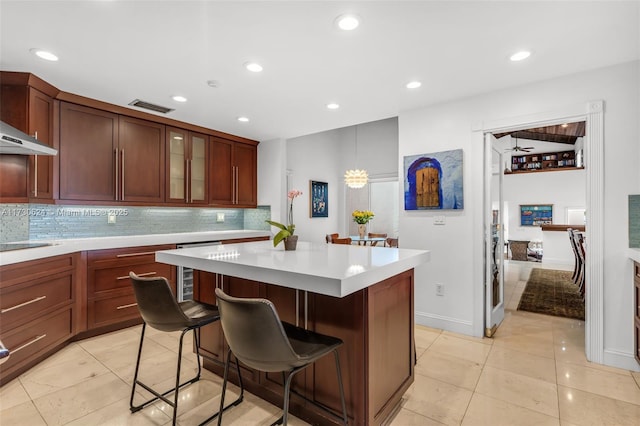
(636, 272)
(128, 256)
(33, 339)
(112, 310)
(118, 277)
(21, 303)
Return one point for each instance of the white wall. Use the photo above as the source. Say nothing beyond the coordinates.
(562, 189)
(272, 177)
(324, 157)
(457, 247)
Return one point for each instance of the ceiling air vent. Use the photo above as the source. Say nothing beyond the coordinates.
(147, 105)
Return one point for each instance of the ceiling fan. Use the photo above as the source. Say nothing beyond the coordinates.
(520, 148)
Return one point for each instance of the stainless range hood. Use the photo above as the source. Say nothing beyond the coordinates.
(13, 141)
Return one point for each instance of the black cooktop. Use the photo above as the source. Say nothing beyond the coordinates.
(20, 246)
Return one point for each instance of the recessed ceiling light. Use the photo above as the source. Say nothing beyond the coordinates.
(253, 67)
(333, 105)
(524, 54)
(179, 98)
(413, 85)
(347, 22)
(43, 54)
(243, 119)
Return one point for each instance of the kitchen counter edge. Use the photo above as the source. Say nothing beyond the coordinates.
(65, 246)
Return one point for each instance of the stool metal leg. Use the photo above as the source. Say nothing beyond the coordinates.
(157, 395)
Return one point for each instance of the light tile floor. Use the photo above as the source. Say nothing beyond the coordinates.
(533, 372)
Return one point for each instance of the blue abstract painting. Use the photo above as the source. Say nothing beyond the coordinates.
(434, 181)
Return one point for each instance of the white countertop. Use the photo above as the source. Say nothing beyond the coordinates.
(634, 254)
(66, 246)
(330, 269)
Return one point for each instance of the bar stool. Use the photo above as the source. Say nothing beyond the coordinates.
(160, 310)
(257, 338)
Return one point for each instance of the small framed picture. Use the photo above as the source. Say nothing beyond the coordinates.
(319, 199)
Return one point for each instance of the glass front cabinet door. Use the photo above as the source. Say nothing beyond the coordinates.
(187, 167)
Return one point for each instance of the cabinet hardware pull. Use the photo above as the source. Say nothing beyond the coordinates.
(146, 274)
(189, 183)
(127, 306)
(23, 304)
(115, 153)
(237, 185)
(35, 135)
(136, 254)
(35, 174)
(122, 196)
(42, 336)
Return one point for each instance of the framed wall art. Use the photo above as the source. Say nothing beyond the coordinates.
(319, 199)
(434, 181)
(536, 214)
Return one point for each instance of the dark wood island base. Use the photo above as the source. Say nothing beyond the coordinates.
(376, 325)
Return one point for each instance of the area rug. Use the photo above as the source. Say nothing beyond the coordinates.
(552, 292)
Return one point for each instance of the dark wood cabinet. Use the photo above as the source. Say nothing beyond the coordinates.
(377, 359)
(88, 153)
(108, 153)
(107, 157)
(27, 104)
(38, 310)
(233, 171)
(110, 298)
(141, 162)
(187, 169)
(41, 167)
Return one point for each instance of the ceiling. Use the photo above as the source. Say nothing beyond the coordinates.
(118, 51)
(567, 133)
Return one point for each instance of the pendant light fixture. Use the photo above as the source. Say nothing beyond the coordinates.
(356, 178)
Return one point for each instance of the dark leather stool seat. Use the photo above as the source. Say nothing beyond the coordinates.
(160, 310)
(258, 339)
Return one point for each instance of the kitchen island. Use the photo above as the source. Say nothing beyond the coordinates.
(363, 295)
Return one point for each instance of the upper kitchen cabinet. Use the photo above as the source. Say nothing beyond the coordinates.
(233, 171)
(142, 160)
(187, 167)
(88, 154)
(28, 105)
(107, 157)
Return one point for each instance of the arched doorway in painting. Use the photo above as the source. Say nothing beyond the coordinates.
(434, 181)
(424, 176)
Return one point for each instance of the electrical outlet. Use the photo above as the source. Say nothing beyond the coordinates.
(111, 219)
(439, 220)
(439, 289)
(220, 217)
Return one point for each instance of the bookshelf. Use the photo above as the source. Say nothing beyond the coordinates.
(543, 162)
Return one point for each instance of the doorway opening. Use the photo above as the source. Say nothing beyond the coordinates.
(592, 115)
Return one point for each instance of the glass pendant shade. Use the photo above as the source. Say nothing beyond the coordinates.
(356, 178)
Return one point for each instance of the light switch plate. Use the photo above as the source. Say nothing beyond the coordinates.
(111, 219)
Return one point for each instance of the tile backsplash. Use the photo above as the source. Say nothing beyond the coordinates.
(20, 222)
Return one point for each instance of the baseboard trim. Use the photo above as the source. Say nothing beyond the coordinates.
(625, 360)
(455, 325)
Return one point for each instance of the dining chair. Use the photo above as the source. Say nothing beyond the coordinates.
(373, 235)
(346, 240)
(160, 310)
(391, 242)
(259, 339)
(330, 237)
